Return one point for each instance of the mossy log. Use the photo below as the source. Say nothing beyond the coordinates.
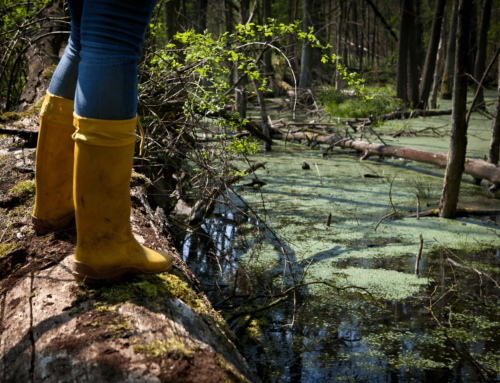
(154, 328)
(477, 168)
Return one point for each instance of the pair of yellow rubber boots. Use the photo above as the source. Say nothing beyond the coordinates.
(83, 170)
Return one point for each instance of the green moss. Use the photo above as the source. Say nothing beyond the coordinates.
(171, 346)
(49, 72)
(254, 329)
(156, 290)
(95, 324)
(24, 189)
(6, 248)
(138, 179)
(32, 111)
(120, 324)
(229, 374)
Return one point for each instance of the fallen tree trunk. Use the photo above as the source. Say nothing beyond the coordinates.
(400, 115)
(477, 168)
(461, 212)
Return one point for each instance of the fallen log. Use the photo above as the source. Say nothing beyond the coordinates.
(462, 212)
(477, 168)
(399, 115)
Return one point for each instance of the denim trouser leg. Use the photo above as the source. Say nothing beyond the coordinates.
(111, 35)
(63, 82)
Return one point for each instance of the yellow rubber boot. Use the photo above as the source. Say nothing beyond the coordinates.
(106, 248)
(55, 150)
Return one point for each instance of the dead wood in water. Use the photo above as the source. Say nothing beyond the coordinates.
(464, 212)
(477, 168)
(398, 116)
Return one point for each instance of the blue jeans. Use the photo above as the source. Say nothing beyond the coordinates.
(99, 67)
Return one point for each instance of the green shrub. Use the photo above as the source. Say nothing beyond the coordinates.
(379, 101)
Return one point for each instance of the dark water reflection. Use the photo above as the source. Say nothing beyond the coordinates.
(347, 337)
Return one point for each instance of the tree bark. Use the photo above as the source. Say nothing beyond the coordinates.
(202, 15)
(172, 11)
(458, 141)
(481, 49)
(306, 46)
(362, 38)
(439, 63)
(495, 129)
(404, 33)
(43, 54)
(263, 114)
(240, 91)
(473, 37)
(291, 43)
(432, 52)
(354, 26)
(414, 45)
(338, 77)
(449, 68)
(379, 15)
(229, 29)
(268, 67)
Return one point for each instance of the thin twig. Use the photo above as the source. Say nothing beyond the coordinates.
(319, 175)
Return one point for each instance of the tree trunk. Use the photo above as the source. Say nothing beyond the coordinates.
(458, 139)
(263, 113)
(172, 11)
(495, 128)
(362, 38)
(418, 30)
(306, 46)
(432, 52)
(473, 38)
(354, 26)
(439, 64)
(43, 54)
(481, 50)
(240, 91)
(338, 77)
(404, 34)
(379, 15)
(449, 68)
(202, 15)
(268, 65)
(291, 43)
(414, 45)
(229, 29)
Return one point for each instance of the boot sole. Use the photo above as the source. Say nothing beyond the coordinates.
(86, 274)
(42, 227)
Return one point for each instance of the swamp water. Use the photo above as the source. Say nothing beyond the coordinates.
(379, 322)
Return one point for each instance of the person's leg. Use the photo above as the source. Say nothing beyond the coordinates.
(63, 82)
(112, 35)
(105, 117)
(54, 208)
